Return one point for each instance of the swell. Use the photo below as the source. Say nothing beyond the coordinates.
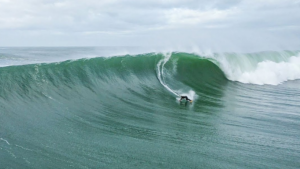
(115, 76)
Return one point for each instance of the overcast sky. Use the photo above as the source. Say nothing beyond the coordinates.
(216, 24)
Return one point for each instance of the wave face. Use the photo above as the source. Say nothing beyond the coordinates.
(107, 112)
(272, 68)
(180, 74)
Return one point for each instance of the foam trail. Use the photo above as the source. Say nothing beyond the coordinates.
(5, 141)
(160, 71)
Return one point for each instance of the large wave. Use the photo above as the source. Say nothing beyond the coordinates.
(175, 72)
(179, 73)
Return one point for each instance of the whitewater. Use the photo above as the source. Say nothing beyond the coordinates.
(117, 107)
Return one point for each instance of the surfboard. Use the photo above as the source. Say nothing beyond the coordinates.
(184, 101)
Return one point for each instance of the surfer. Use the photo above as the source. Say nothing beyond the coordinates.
(185, 97)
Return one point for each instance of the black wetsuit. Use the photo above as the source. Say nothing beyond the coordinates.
(185, 97)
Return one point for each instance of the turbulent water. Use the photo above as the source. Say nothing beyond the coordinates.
(79, 108)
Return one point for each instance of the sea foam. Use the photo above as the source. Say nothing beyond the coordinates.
(265, 72)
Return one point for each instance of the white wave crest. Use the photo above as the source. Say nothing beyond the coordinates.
(267, 72)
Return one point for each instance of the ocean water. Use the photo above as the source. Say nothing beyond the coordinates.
(111, 107)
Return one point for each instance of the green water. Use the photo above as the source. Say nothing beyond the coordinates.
(116, 113)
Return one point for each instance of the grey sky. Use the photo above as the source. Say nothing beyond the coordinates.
(216, 24)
